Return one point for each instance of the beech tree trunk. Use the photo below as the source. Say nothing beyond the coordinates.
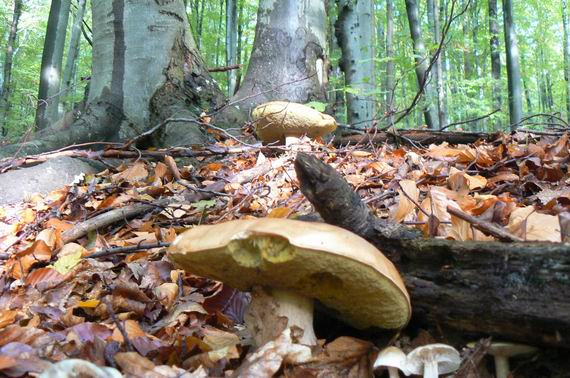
(231, 43)
(7, 79)
(50, 74)
(566, 25)
(495, 54)
(288, 60)
(355, 33)
(422, 64)
(390, 66)
(73, 51)
(513, 66)
(146, 68)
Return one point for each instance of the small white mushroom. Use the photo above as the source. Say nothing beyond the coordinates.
(432, 360)
(502, 351)
(392, 358)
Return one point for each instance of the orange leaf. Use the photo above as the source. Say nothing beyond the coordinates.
(405, 205)
(7, 317)
(47, 277)
(280, 212)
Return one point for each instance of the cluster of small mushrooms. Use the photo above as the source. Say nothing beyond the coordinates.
(288, 264)
(439, 359)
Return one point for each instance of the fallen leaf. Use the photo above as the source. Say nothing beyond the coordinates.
(405, 206)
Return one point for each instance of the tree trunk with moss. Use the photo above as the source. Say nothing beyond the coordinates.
(288, 60)
(146, 68)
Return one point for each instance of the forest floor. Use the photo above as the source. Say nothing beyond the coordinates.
(74, 285)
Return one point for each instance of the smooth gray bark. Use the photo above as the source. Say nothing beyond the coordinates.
(355, 33)
(566, 25)
(73, 51)
(495, 53)
(390, 66)
(50, 75)
(433, 16)
(422, 64)
(513, 66)
(287, 61)
(6, 88)
(146, 68)
(231, 43)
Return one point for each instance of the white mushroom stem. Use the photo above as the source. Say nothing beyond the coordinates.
(393, 372)
(502, 367)
(290, 140)
(273, 310)
(430, 369)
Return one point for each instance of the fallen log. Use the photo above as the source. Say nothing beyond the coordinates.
(517, 291)
(419, 137)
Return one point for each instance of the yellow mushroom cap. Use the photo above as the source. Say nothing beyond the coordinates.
(340, 269)
(276, 120)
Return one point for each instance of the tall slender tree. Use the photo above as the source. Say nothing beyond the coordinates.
(73, 51)
(422, 64)
(566, 26)
(390, 66)
(355, 33)
(7, 74)
(495, 53)
(231, 43)
(433, 17)
(50, 74)
(513, 65)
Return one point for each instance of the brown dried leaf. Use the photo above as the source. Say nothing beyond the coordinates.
(405, 206)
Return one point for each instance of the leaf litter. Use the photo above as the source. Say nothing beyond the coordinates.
(134, 312)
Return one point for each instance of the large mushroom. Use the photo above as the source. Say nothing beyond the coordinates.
(282, 121)
(290, 263)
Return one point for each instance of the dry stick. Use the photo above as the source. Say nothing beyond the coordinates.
(486, 227)
(131, 211)
(225, 68)
(129, 249)
(470, 120)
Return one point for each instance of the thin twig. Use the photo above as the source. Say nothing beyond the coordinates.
(485, 227)
(129, 249)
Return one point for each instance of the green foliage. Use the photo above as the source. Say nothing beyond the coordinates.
(467, 95)
(28, 58)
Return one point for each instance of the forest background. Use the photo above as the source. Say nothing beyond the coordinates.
(468, 88)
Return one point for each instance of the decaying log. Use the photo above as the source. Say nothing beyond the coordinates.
(517, 291)
(423, 137)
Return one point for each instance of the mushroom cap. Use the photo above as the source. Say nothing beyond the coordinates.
(447, 357)
(391, 357)
(277, 119)
(340, 269)
(506, 349)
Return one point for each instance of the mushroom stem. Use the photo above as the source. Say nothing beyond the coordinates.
(393, 372)
(501, 366)
(289, 140)
(430, 369)
(273, 310)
